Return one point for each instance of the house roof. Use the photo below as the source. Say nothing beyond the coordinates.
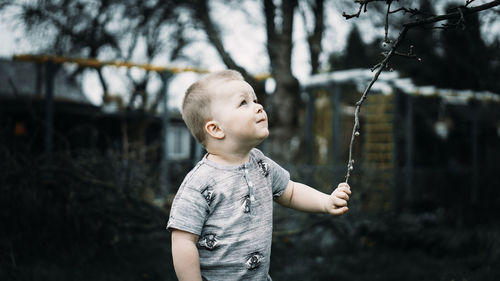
(389, 82)
(20, 79)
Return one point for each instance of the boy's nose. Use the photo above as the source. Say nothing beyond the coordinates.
(258, 107)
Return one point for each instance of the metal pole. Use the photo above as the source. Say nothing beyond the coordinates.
(309, 134)
(50, 70)
(475, 152)
(164, 175)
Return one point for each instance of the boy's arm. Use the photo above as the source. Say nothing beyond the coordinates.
(304, 198)
(185, 255)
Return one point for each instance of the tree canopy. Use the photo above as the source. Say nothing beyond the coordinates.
(456, 57)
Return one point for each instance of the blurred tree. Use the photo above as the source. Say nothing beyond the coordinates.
(121, 30)
(314, 36)
(467, 60)
(201, 13)
(284, 105)
(450, 56)
(357, 54)
(455, 57)
(111, 30)
(426, 45)
(150, 29)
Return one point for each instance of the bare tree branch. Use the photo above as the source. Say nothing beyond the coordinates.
(355, 131)
(203, 14)
(453, 15)
(459, 14)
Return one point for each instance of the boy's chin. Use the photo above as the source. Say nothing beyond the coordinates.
(261, 138)
(265, 135)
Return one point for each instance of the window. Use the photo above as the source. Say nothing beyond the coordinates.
(179, 143)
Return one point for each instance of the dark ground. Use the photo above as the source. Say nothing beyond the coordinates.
(390, 250)
(373, 251)
(73, 218)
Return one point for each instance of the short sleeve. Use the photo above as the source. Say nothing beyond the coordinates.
(189, 210)
(279, 177)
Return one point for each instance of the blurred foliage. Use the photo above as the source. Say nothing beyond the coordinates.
(66, 210)
(387, 247)
(454, 56)
(95, 28)
(142, 31)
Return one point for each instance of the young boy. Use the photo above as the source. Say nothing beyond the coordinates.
(221, 217)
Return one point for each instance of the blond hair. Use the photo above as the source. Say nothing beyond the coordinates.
(196, 104)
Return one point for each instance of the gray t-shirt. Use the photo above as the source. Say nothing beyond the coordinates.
(231, 209)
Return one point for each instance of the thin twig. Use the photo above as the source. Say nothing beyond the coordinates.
(363, 6)
(467, 2)
(411, 11)
(387, 20)
(355, 131)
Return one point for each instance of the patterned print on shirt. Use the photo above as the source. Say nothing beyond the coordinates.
(254, 260)
(246, 204)
(208, 194)
(264, 167)
(208, 241)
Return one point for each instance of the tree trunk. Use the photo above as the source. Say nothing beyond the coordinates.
(283, 108)
(314, 38)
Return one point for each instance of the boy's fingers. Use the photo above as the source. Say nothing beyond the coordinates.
(341, 194)
(339, 211)
(344, 184)
(345, 196)
(348, 191)
(339, 202)
(344, 187)
(340, 197)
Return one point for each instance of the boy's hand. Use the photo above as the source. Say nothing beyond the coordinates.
(337, 201)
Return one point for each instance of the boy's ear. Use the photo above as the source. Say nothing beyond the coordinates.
(214, 130)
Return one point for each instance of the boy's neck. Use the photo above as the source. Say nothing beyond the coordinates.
(225, 158)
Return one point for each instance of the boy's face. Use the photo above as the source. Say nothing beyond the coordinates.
(234, 106)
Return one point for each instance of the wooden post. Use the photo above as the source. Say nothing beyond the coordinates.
(409, 149)
(164, 174)
(336, 144)
(398, 194)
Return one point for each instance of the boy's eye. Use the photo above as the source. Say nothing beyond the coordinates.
(243, 102)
